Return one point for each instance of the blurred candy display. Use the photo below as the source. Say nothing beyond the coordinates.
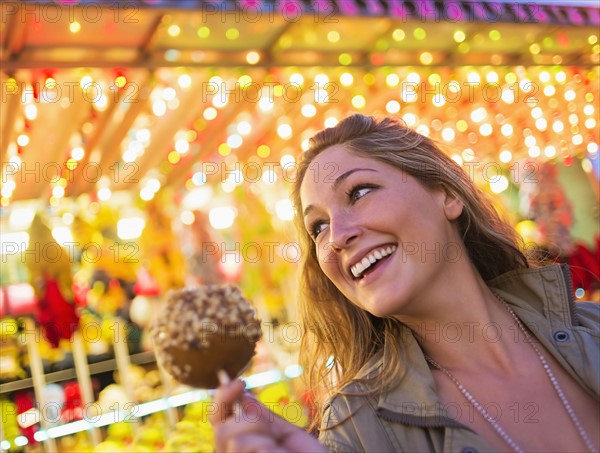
(151, 146)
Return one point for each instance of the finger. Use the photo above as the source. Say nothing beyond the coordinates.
(252, 409)
(232, 430)
(294, 438)
(225, 399)
(253, 443)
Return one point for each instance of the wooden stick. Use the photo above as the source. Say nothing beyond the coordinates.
(39, 381)
(2, 434)
(172, 416)
(85, 382)
(224, 379)
(123, 364)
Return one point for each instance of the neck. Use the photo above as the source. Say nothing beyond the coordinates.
(471, 331)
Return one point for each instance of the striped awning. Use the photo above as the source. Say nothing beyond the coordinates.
(567, 13)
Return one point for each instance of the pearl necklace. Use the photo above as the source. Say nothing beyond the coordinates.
(582, 433)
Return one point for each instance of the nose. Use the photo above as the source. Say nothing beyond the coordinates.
(343, 231)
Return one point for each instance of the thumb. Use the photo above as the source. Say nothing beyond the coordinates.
(253, 410)
(225, 399)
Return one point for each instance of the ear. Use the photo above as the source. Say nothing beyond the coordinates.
(453, 207)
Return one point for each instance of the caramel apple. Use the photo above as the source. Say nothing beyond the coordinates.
(203, 331)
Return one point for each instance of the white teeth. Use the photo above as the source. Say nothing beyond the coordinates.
(371, 258)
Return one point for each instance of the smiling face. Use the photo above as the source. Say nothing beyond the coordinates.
(381, 237)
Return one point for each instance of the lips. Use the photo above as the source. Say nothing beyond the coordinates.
(359, 269)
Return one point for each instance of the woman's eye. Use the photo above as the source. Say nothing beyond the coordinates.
(316, 229)
(360, 191)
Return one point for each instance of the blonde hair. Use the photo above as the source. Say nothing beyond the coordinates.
(492, 244)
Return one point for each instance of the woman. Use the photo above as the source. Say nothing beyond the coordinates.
(446, 339)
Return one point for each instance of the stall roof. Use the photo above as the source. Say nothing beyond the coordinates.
(561, 12)
(103, 79)
(159, 33)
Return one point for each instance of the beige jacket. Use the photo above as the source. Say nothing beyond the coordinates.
(411, 418)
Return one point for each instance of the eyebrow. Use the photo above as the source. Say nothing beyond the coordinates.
(339, 180)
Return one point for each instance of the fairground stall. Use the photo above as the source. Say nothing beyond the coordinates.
(149, 145)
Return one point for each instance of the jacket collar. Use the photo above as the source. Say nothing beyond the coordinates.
(545, 291)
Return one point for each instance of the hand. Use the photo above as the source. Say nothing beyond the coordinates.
(250, 427)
